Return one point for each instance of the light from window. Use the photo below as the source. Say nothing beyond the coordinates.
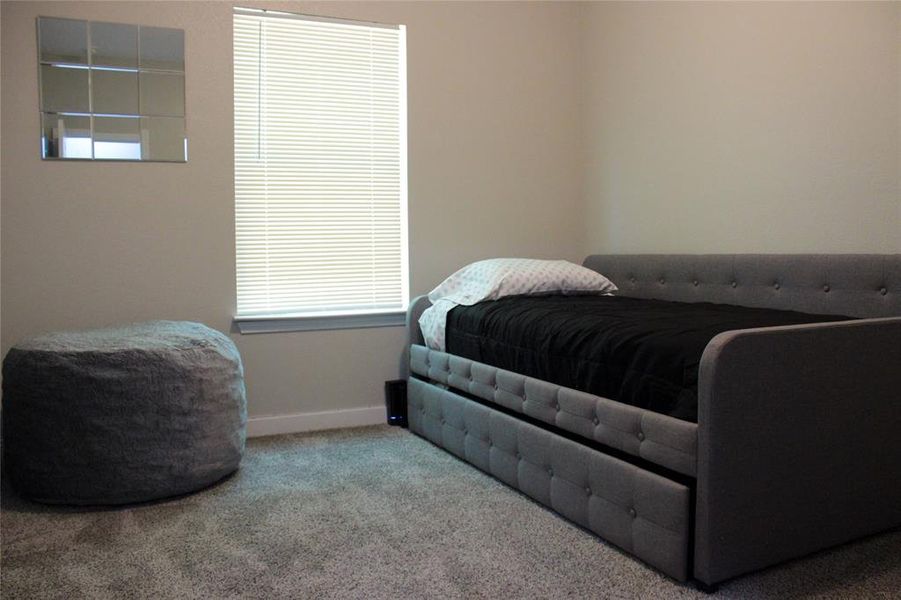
(320, 165)
(113, 150)
(76, 147)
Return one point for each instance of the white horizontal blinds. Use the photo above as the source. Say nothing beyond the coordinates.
(320, 169)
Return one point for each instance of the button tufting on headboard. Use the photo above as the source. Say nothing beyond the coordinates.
(815, 283)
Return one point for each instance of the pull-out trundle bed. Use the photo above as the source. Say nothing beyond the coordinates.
(794, 448)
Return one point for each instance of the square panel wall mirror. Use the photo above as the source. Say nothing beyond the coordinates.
(110, 91)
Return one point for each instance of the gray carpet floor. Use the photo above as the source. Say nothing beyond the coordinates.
(367, 513)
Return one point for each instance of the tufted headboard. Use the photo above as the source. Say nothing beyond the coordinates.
(857, 285)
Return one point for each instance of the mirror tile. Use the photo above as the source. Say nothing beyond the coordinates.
(117, 138)
(65, 136)
(162, 94)
(163, 138)
(162, 48)
(114, 45)
(64, 89)
(114, 92)
(63, 40)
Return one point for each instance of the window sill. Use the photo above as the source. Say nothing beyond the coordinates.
(282, 323)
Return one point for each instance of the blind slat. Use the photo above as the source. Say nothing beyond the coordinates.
(320, 166)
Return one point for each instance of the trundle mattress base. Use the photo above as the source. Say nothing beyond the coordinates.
(643, 513)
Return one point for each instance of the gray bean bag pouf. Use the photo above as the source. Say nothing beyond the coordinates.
(129, 414)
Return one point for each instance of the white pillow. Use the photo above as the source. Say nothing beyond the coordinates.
(498, 277)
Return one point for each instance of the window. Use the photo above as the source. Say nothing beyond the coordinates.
(320, 172)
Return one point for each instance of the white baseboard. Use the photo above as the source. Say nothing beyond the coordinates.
(314, 421)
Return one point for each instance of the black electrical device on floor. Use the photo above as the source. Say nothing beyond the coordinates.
(396, 402)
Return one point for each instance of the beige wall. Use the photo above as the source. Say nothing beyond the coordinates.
(743, 127)
(493, 138)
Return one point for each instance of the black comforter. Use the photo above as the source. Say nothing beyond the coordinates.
(640, 352)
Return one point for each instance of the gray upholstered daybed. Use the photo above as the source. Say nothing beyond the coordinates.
(796, 443)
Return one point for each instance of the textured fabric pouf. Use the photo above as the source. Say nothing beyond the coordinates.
(119, 415)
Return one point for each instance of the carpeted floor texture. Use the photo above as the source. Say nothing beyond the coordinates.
(368, 513)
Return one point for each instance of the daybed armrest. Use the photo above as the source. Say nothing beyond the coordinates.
(799, 445)
(414, 311)
(414, 334)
